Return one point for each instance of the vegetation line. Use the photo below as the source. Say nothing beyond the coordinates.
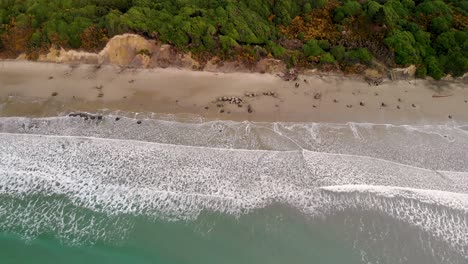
(345, 35)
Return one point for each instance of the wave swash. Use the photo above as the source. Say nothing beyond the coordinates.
(53, 169)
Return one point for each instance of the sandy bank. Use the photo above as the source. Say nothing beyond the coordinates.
(47, 89)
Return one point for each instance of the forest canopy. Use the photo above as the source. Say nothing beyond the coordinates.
(332, 34)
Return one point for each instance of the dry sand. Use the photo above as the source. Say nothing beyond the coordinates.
(27, 89)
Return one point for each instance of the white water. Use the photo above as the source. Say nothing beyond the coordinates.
(176, 170)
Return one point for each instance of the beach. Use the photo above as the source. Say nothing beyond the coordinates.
(108, 164)
(48, 89)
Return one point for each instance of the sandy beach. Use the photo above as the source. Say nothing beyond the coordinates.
(48, 89)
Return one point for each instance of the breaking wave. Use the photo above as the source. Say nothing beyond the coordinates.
(52, 170)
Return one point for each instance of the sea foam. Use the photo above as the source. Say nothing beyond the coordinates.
(115, 172)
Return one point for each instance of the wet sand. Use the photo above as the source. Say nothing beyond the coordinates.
(47, 89)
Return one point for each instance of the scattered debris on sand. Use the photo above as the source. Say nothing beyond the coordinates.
(270, 93)
(290, 75)
(374, 81)
(251, 94)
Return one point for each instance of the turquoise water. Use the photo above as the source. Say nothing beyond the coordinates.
(224, 192)
(271, 235)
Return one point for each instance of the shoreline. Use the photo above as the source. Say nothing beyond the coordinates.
(39, 89)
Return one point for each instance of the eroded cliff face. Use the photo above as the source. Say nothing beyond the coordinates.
(130, 50)
(122, 50)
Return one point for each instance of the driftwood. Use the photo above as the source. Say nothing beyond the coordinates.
(440, 96)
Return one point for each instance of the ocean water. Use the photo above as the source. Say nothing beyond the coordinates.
(192, 191)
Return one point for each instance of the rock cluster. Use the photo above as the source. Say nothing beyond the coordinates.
(231, 100)
(86, 116)
(251, 94)
(270, 94)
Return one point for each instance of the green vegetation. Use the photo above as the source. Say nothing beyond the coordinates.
(432, 34)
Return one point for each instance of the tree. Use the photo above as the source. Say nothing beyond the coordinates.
(350, 8)
(402, 44)
(440, 24)
(433, 68)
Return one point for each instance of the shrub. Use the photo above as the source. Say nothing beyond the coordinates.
(421, 71)
(312, 48)
(327, 58)
(338, 52)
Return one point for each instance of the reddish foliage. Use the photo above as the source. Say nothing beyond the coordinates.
(93, 38)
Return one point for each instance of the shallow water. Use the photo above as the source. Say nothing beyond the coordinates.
(166, 191)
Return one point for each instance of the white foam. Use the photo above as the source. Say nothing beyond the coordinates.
(120, 176)
(434, 147)
(442, 214)
(178, 182)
